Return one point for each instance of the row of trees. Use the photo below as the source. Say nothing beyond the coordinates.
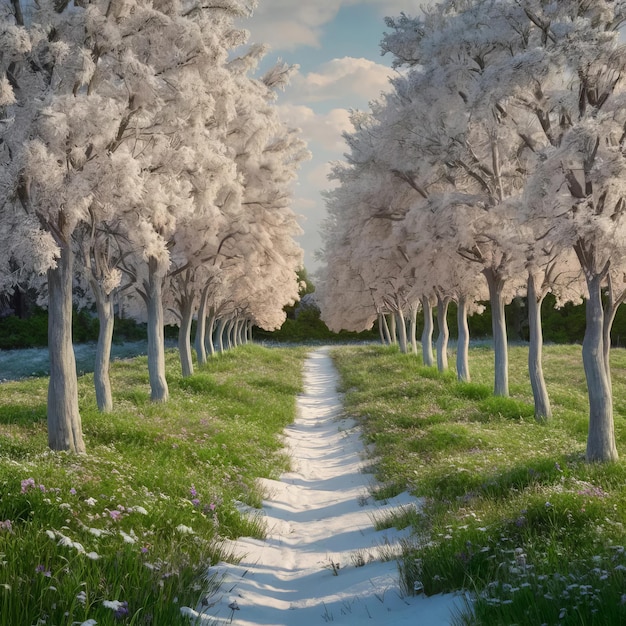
(138, 156)
(494, 167)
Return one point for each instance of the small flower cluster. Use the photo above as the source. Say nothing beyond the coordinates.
(27, 484)
(6, 525)
(207, 509)
(582, 591)
(591, 491)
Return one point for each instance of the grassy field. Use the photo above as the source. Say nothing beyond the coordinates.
(126, 533)
(511, 510)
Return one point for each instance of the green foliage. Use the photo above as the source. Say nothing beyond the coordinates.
(24, 333)
(32, 331)
(512, 513)
(308, 327)
(141, 517)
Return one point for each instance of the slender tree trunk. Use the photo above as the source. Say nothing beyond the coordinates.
(237, 340)
(184, 335)
(413, 326)
(64, 423)
(386, 332)
(444, 333)
(543, 410)
(220, 334)
(209, 332)
(427, 333)
(601, 436)
(498, 326)
(156, 336)
(401, 326)
(462, 348)
(393, 330)
(229, 333)
(101, 378)
(200, 338)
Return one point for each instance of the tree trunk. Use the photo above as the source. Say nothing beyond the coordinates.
(601, 436)
(210, 329)
(184, 335)
(200, 338)
(427, 333)
(156, 336)
(220, 335)
(543, 410)
(229, 333)
(236, 332)
(101, 378)
(401, 326)
(462, 348)
(498, 326)
(413, 326)
(386, 332)
(444, 333)
(64, 423)
(393, 331)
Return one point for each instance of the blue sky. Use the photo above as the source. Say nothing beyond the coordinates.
(336, 45)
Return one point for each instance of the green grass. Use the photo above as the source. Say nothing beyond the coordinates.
(143, 515)
(513, 513)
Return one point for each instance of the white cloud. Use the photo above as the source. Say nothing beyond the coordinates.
(320, 130)
(342, 79)
(289, 24)
(395, 7)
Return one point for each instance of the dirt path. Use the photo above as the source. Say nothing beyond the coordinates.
(322, 560)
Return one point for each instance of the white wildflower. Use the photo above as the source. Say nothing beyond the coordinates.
(140, 509)
(90, 501)
(94, 556)
(184, 530)
(78, 546)
(111, 604)
(50, 534)
(127, 538)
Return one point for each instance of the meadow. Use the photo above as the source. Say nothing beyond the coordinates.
(127, 534)
(511, 511)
